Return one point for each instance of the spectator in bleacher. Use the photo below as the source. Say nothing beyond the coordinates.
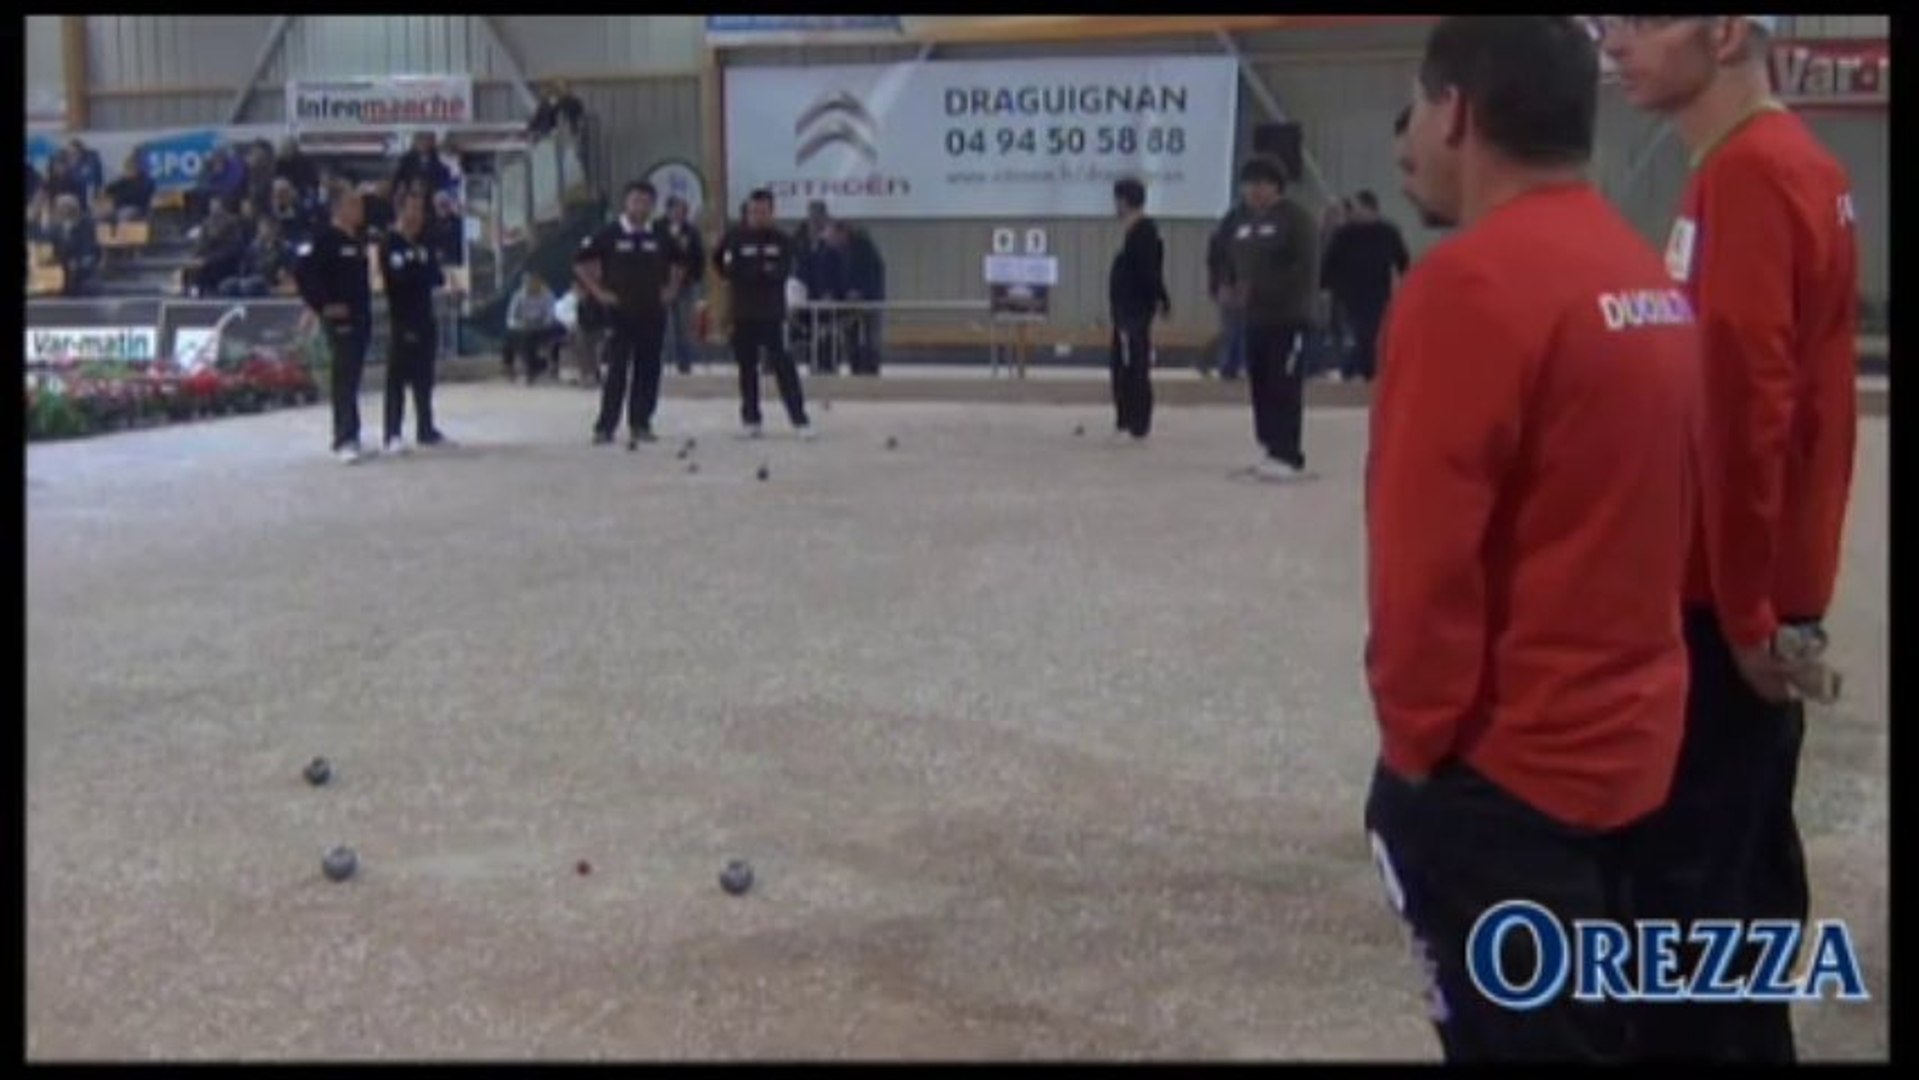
(130, 197)
(682, 345)
(259, 163)
(219, 252)
(266, 266)
(533, 329)
(300, 171)
(76, 247)
(294, 219)
(34, 183)
(223, 180)
(422, 162)
(559, 109)
(62, 180)
(88, 169)
(446, 230)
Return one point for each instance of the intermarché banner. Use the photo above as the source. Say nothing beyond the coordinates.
(999, 139)
(380, 102)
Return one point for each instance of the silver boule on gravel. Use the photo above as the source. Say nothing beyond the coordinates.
(737, 878)
(340, 864)
(318, 771)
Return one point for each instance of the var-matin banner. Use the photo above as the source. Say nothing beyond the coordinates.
(998, 139)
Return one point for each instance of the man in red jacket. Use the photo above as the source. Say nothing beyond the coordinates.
(1530, 493)
(1765, 246)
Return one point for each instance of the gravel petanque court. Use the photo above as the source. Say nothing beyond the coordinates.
(1037, 746)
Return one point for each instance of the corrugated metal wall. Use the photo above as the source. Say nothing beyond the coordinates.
(46, 70)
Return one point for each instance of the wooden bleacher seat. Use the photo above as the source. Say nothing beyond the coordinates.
(42, 252)
(170, 200)
(130, 234)
(47, 281)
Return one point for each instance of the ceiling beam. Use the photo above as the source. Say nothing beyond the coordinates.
(268, 46)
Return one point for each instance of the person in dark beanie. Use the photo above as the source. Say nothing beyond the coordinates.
(1135, 294)
(1275, 253)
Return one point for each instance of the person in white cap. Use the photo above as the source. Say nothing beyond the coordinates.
(1766, 247)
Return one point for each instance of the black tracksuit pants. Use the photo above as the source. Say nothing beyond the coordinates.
(636, 343)
(347, 344)
(1274, 379)
(1364, 314)
(1132, 369)
(1456, 845)
(750, 338)
(1727, 846)
(411, 354)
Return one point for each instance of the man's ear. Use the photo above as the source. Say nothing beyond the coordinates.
(1734, 39)
(1457, 120)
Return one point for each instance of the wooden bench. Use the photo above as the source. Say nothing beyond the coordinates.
(170, 200)
(47, 281)
(130, 234)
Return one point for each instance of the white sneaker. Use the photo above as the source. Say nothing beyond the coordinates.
(752, 431)
(1275, 469)
(808, 434)
(397, 446)
(347, 455)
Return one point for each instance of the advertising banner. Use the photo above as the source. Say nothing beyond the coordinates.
(1010, 138)
(173, 156)
(380, 102)
(1832, 74)
(725, 30)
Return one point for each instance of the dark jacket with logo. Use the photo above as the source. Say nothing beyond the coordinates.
(634, 266)
(1275, 265)
(410, 271)
(1136, 285)
(331, 269)
(756, 262)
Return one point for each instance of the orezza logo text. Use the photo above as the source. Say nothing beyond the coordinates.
(1605, 961)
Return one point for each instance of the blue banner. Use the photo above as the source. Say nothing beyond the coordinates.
(750, 28)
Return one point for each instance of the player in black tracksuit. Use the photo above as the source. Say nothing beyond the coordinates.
(331, 272)
(1136, 291)
(411, 270)
(631, 268)
(756, 259)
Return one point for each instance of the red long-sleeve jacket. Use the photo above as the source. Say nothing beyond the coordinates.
(1766, 246)
(1530, 493)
